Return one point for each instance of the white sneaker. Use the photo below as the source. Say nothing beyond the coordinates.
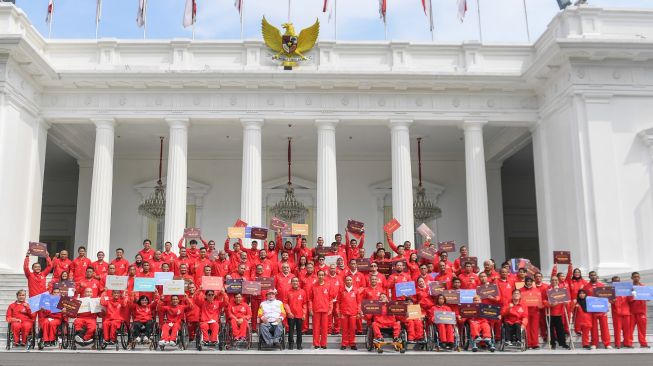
(138, 339)
(608, 347)
(145, 339)
(172, 343)
(78, 339)
(163, 343)
(593, 347)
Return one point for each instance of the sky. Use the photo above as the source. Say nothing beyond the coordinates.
(502, 21)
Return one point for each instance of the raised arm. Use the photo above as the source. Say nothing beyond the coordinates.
(391, 243)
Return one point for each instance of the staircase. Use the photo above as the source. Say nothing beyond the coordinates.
(10, 283)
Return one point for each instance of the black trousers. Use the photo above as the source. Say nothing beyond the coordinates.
(557, 331)
(139, 328)
(512, 332)
(295, 325)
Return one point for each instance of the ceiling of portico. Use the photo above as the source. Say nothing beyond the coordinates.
(223, 140)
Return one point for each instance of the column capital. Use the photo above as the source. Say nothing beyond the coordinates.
(326, 124)
(252, 123)
(473, 124)
(44, 123)
(647, 137)
(104, 123)
(399, 123)
(178, 122)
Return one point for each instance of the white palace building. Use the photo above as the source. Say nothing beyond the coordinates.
(526, 148)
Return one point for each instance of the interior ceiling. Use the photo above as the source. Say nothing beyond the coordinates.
(224, 140)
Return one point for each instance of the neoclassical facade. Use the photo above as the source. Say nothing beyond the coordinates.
(581, 95)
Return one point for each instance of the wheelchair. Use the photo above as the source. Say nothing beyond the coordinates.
(199, 339)
(399, 346)
(438, 346)
(424, 344)
(153, 337)
(122, 338)
(96, 343)
(520, 344)
(482, 343)
(31, 338)
(62, 337)
(230, 343)
(282, 343)
(182, 337)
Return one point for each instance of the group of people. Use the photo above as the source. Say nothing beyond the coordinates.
(309, 296)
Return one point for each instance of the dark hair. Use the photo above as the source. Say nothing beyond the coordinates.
(80, 248)
(122, 250)
(143, 297)
(147, 241)
(193, 241)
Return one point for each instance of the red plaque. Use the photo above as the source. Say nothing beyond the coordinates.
(391, 226)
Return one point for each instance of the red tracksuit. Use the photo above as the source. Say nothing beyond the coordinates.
(209, 317)
(36, 281)
(21, 320)
(445, 331)
(385, 321)
(583, 322)
(170, 327)
(239, 312)
(114, 311)
(49, 323)
(86, 320)
(638, 311)
(479, 327)
(59, 266)
(533, 328)
(220, 268)
(320, 298)
(621, 318)
(100, 269)
(598, 319)
(78, 268)
(337, 283)
(348, 305)
(296, 301)
(147, 255)
(92, 283)
(122, 266)
(517, 314)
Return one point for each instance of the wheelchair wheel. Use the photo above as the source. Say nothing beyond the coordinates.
(502, 342)
(224, 340)
(39, 343)
(123, 336)
(524, 340)
(457, 346)
(466, 338)
(63, 337)
(282, 344)
(404, 340)
(98, 340)
(369, 339)
(183, 336)
(154, 337)
(430, 343)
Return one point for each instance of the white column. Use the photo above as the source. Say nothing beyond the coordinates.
(38, 171)
(478, 227)
(251, 190)
(99, 225)
(176, 181)
(402, 181)
(327, 180)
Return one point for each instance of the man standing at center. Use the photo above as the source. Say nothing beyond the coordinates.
(320, 304)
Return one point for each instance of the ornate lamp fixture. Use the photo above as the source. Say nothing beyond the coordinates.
(154, 206)
(423, 209)
(289, 208)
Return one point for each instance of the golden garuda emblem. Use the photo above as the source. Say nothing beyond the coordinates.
(290, 47)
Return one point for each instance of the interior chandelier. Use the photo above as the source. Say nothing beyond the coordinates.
(154, 206)
(289, 208)
(423, 209)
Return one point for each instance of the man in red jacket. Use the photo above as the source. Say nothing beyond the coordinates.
(60, 263)
(78, 268)
(296, 304)
(89, 282)
(320, 304)
(638, 311)
(36, 278)
(122, 265)
(348, 311)
(621, 317)
(20, 318)
(114, 306)
(147, 252)
(100, 266)
(598, 319)
(221, 265)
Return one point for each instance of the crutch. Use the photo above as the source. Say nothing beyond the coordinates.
(548, 325)
(570, 327)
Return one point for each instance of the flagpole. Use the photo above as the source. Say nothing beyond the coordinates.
(50, 26)
(242, 29)
(431, 20)
(193, 30)
(528, 31)
(335, 21)
(478, 10)
(385, 22)
(289, 1)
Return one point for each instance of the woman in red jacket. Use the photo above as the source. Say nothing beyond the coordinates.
(348, 310)
(583, 319)
(49, 322)
(142, 313)
(240, 314)
(445, 331)
(515, 317)
(20, 318)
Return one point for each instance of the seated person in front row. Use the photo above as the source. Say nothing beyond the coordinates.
(385, 321)
(271, 313)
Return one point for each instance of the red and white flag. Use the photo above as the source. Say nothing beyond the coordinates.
(239, 6)
(462, 9)
(190, 13)
(48, 17)
(428, 10)
(141, 16)
(383, 7)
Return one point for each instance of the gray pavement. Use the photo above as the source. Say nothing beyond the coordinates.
(321, 358)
